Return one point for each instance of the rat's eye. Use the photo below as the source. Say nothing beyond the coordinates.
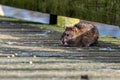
(67, 34)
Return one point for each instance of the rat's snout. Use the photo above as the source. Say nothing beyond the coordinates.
(64, 42)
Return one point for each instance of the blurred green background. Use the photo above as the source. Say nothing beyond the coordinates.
(105, 11)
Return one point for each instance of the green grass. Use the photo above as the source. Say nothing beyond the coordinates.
(109, 38)
(2, 18)
(108, 9)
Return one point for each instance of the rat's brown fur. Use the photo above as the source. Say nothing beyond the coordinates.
(83, 34)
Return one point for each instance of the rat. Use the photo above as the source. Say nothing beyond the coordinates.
(83, 34)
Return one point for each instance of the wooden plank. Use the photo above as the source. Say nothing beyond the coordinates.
(25, 57)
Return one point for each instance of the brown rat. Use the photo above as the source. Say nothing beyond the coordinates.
(83, 34)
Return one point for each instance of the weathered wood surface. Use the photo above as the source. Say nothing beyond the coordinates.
(31, 53)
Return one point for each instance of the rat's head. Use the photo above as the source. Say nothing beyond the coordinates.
(68, 37)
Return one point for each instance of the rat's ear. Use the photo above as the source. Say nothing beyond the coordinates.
(68, 28)
(74, 29)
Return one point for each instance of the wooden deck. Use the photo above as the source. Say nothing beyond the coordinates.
(31, 53)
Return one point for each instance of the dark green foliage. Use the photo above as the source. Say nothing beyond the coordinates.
(105, 11)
